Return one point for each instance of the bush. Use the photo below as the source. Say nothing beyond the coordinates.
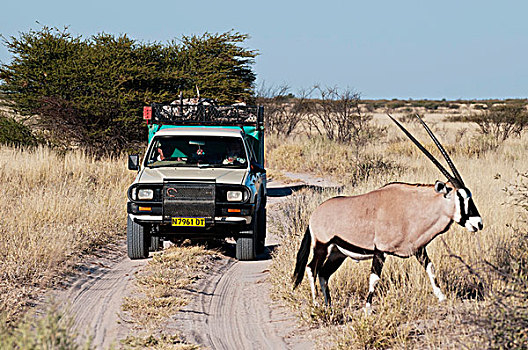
(52, 331)
(337, 115)
(90, 92)
(13, 133)
(284, 112)
(501, 121)
(505, 320)
(409, 118)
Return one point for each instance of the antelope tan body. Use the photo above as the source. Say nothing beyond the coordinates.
(377, 220)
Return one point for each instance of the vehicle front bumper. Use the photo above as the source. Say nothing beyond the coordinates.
(152, 213)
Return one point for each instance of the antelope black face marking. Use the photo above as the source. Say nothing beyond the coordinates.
(465, 196)
(467, 214)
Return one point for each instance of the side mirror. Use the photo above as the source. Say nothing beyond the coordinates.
(133, 162)
(257, 168)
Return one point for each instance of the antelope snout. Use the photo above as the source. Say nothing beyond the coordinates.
(474, 223)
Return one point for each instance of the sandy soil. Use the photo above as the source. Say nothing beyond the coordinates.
(93, 294)
(231, 308)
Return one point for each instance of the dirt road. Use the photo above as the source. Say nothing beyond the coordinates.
(230, 309)
(93, 295)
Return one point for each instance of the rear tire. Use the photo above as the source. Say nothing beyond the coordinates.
(155, 244)
(137, 242)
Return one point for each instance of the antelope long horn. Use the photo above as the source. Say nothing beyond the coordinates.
(426, 152)
(442, 150)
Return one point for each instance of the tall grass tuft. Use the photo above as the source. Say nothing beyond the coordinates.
(53, 207)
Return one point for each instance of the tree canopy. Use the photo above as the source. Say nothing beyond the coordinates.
(91, 91)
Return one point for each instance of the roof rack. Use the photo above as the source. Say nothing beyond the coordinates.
(204, 114)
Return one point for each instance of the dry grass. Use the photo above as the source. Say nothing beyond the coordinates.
(326, 158)
(406, 313)
(159, 293)
(50, 331)
(53, 207)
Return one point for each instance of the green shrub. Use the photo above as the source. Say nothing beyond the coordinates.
(13, 133)
(90, 92)
(52, 331)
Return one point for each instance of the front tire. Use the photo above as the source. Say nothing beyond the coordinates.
(246, 247)
(261, 230)
(137, 242)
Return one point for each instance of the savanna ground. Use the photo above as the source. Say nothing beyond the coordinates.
(45, 231)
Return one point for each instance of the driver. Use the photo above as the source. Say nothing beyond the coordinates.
(234, 153)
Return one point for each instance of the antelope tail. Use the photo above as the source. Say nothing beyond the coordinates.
(302, 258)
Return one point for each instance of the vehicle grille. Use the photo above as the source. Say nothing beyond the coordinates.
(188, 200)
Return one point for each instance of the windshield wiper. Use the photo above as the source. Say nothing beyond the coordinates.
(170, 165)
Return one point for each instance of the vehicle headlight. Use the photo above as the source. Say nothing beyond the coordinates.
(145, 193)
(234, 196)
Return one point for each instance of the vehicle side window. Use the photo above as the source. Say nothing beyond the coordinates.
(250, 150)
(153, 155)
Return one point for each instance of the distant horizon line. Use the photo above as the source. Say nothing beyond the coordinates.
(441, 99)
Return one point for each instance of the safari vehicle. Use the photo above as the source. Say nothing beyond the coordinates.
(202, 176)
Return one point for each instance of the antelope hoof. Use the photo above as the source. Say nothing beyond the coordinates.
(367, 310)
(441, 297)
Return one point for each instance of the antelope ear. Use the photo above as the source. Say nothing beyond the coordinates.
(440, 187)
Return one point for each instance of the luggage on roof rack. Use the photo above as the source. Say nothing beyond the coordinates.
(204, 113)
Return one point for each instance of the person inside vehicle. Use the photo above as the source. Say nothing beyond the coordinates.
(165, 150)
(234, 154)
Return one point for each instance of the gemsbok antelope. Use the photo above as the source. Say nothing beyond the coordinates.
(398, 219)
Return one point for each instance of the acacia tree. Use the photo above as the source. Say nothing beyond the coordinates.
(91, 91)
(217, 64)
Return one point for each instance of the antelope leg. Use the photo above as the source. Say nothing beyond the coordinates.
(332, 263)
(377, 265)
(424, 260)
(313, 267)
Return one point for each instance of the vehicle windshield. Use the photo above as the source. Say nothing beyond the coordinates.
(197, 151)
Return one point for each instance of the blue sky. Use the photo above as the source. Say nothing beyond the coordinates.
(381, 49)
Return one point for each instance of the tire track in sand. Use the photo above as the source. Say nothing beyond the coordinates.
(94, 295)
(232, 309)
